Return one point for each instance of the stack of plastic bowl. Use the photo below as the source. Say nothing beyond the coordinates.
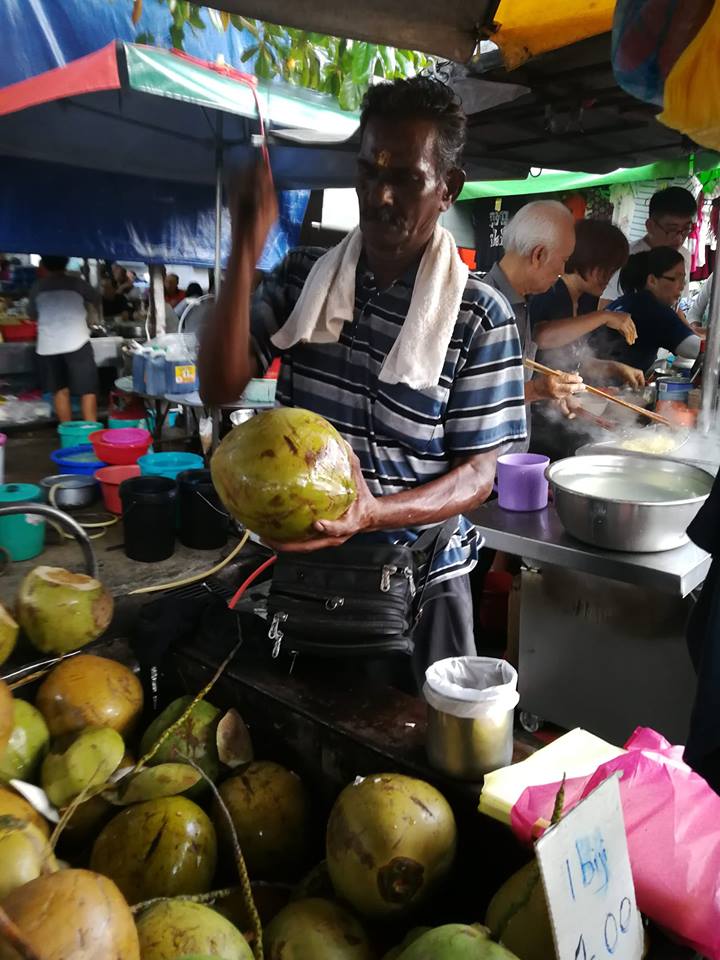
(121, 447)
(80, 460)
(75, 432)
(169, 464)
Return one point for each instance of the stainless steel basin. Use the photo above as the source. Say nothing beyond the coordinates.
(628, 503)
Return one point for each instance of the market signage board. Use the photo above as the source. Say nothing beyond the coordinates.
(588, 882)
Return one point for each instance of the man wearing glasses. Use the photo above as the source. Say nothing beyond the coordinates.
(672, 214)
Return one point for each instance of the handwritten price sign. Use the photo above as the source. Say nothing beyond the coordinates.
(586, 872)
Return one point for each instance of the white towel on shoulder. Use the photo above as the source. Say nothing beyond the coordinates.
(327, 301)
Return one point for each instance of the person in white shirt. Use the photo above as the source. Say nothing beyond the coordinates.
(697, 314)
(671, 215)
(67, 365)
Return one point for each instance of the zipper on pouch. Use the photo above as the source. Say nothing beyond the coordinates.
(389, 571)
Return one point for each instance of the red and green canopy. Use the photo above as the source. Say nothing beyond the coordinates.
(138, 109)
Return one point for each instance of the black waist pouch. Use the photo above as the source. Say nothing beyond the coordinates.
(359, 599)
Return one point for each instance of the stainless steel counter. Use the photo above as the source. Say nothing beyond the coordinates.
(601, 633)
(541, 538)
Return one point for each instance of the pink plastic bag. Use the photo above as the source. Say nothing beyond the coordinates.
(672, 820)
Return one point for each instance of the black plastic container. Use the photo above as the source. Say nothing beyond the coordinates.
(204, 521)
(149, 517)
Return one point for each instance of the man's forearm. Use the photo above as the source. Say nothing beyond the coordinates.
(558, 333)
(462, 489)
(224, 361)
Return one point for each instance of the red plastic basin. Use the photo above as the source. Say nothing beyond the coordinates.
(121, 447)
(110, 479)
(24, 332)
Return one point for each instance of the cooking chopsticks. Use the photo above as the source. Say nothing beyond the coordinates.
(549, 372)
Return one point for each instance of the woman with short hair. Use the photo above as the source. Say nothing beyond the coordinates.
(564, 318)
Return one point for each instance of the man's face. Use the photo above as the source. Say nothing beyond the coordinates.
(171, 283)
(669, 231)
(400, 191)
(548, 262)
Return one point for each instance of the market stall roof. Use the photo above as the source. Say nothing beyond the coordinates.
(142, 110)
(134, 109)
(523, 28)
(119, 154)
(554, 181)
(574, 117)
(562, 110)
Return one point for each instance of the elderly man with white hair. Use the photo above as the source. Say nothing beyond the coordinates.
(537, 242)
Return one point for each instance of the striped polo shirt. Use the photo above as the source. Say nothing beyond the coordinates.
(402, 437)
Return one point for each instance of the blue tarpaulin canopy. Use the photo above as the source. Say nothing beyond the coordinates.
(53, 208)
(125, 145)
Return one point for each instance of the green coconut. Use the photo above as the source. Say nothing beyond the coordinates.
(270, 810)
(13, 805)
(160, 848)
(27, 745)
(456, 941)
(390, 841)
(8, 634)
(196, 738)
(410, 938)
(89, 691)
(179, 928)
(24, 854)
(518, 915)
(71, 915)
(7, 711)
(281, 471)
(60, 611)
(316, 930)
(89, 761)
(90, 816)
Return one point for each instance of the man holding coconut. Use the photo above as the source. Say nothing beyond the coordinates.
(415, 362)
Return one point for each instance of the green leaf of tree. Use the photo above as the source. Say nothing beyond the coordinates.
(363, 56)
(196, 21)
(332, 65)
(349, 94)
(177, 36)
(389, 60)
(243, 23)
(263, 68)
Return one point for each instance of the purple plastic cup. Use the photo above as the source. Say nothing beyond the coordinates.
(521, 482)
